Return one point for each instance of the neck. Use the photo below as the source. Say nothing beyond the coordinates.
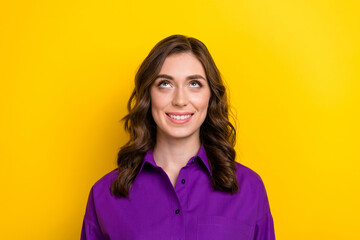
(173, 154)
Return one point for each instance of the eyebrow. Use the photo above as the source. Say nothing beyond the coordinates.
(196, 76)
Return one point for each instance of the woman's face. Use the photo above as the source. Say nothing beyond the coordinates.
(180, 97)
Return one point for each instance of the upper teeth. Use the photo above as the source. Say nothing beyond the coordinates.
(178, 117)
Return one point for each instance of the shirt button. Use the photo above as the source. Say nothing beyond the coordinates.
(183, 181)
(177, 211)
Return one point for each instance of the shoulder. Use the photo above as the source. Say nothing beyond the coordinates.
(252, 185)
(103, 184)
(247, 176)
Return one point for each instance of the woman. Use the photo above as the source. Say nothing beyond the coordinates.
(177, 177)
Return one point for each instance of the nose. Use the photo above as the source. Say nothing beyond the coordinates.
(180, 97)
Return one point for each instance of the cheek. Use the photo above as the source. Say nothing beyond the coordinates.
(157, 101)
(202, 101)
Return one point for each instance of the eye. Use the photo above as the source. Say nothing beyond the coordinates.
(195, 84)
(164, 84)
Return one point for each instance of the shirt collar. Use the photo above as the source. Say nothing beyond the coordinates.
(201, 155)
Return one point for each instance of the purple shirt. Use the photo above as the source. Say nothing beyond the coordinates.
(190, 211)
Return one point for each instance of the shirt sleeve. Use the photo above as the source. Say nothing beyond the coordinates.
(90, 228)
(264, 227)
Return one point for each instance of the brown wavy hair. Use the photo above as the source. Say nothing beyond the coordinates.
(217, 134)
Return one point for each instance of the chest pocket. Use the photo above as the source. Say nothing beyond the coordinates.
(221, 228)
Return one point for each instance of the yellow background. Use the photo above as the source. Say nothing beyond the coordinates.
(292, 68)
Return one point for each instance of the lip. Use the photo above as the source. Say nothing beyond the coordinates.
(180, 113)
(179, 121)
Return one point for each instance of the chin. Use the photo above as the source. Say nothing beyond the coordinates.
(181, 134)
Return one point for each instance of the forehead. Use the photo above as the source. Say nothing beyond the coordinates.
(182, 64)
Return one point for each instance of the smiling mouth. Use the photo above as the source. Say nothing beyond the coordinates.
(179, 117)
